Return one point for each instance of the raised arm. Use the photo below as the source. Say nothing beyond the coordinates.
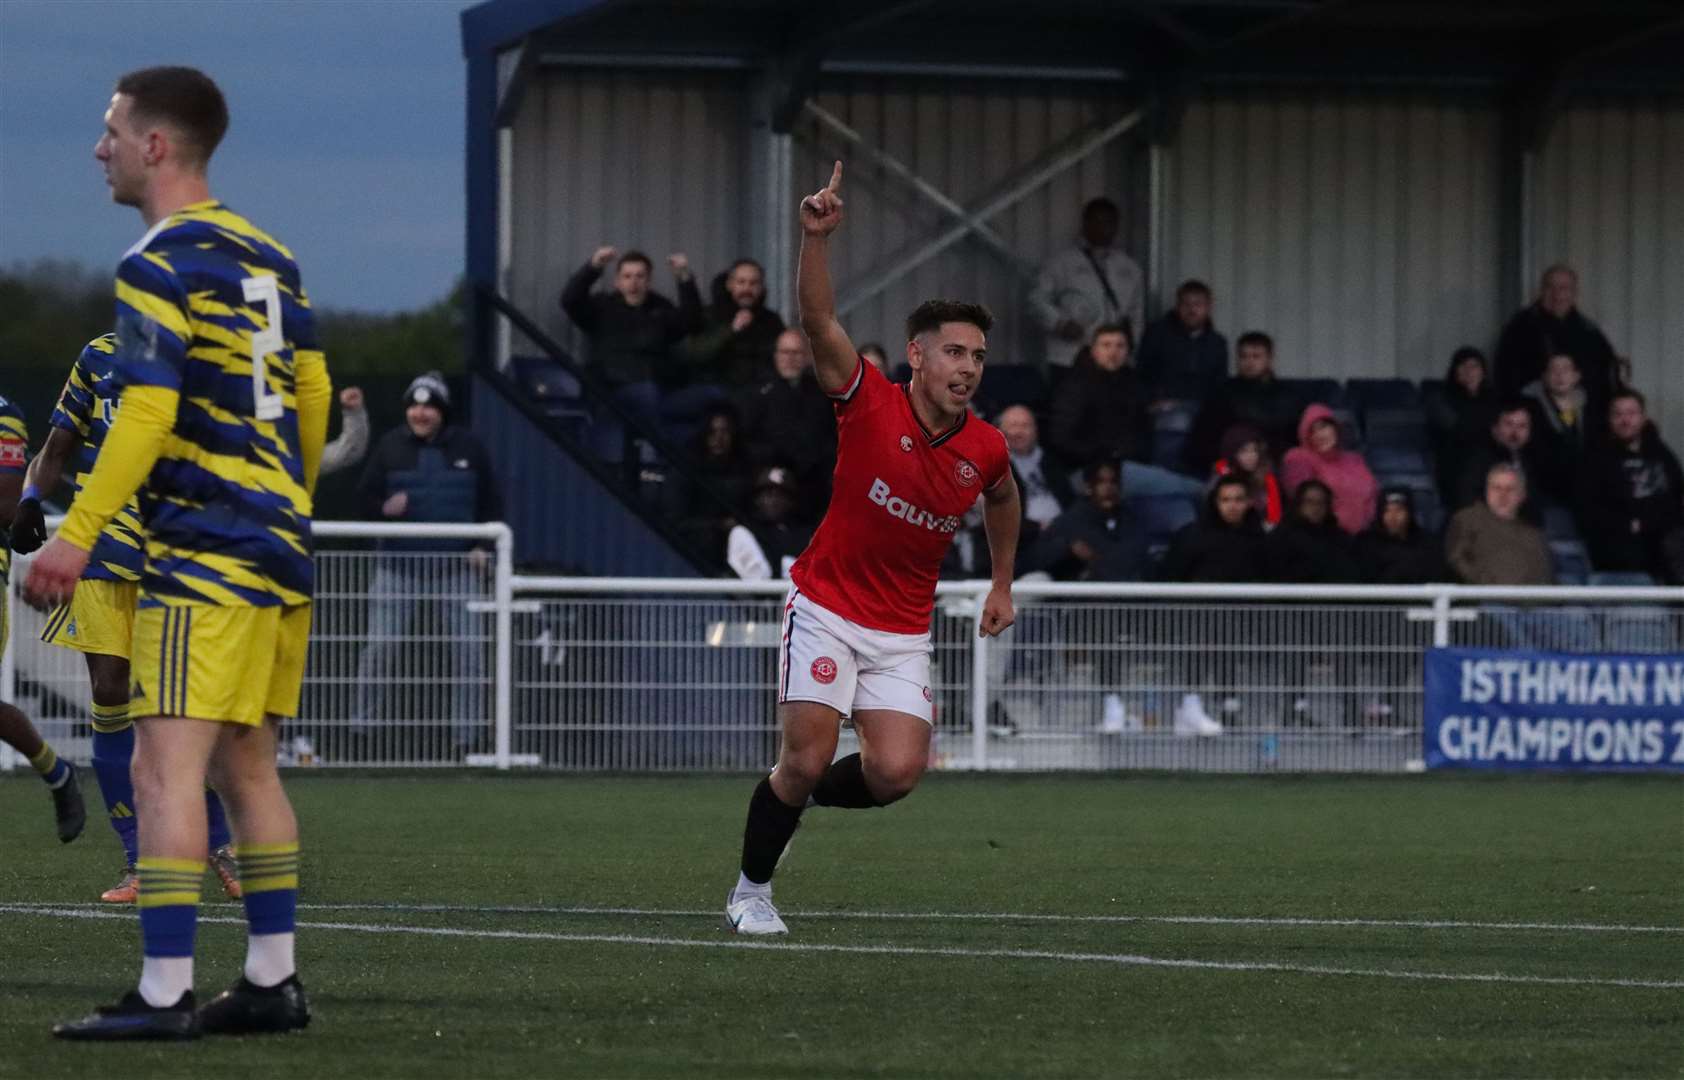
(835, 360)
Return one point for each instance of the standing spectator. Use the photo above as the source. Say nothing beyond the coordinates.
(1245, 455)
(1043, 485)
(352, 444)
(1086, 286)
(1182, 357)
(1559, 401)
(1489, 543)
(1633, 504)
(877, 356)
(428, 470)
(1310, 548)
(788, 420)
(1461, 417)
(1098, 412)
(632, 330)
(734, 347)
(1508, 442)
(1094, 540)
(1396, 550)
(1553, 324)
(1253, 395)
(722, 487)
(1225, 545)
(1318, 456)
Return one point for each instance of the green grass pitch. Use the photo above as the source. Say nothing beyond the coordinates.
(1144, 926)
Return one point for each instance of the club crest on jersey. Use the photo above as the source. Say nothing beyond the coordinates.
(927, 695)
(906, 443)
(824, 670)
(912, 515)
(965, 473)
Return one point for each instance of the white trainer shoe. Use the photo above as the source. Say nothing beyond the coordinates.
(753, 914)
(1191, 718)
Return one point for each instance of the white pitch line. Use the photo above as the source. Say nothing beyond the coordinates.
(1120, 959)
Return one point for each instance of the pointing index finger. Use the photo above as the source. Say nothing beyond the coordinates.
(835, 184)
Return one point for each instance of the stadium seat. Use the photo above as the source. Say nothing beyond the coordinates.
(1645, 629)
(1371, 394)
(1394, 460)
(1011, 384)
(1175, 416)
(1621, 578)
(545, 378)
(1169, 449)
(1559, 523)
(1318, 391)
(1350, 429)
(1162, 516)
(1396, 427)
(1572, 562)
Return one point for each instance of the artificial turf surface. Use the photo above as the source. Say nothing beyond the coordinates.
(566, 993)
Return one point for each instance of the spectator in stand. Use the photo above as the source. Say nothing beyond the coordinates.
(1043, 485)
(877, 357)
(1098, 412)
(1550, 325)
(1096, 539)
(1253, 395)
(1633, 502)
(767, 545)
(734, 347)
(1245, 454)
(1310, 548)
(1318, 456)
(1182, 357)
(429, 470)
(1461, 417)
(1396, 550)
(352, 444)
(1489, 543)
(719, 495)
(1087, 286)
(1563, 427)
(632, 330)
(1508, 442)
(788, 420)
(1225, 545)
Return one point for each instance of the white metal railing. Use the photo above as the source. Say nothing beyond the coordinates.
(431, 657)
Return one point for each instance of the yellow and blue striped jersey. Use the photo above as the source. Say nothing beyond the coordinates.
(210, 306)
(85, 407)
(14, 459)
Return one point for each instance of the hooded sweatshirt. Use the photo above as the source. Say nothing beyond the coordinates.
(1343, 471)
(1211, 550)
(1305, 553)
(1460, 421)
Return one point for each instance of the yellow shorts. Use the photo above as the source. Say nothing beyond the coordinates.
(210, 662)
(98, 619)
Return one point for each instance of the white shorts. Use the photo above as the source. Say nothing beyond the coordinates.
(830, 660)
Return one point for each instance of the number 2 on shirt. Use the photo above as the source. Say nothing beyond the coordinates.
(267, 404)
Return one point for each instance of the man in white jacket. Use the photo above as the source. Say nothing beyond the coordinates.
(1087, 285)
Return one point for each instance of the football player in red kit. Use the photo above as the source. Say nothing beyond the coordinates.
(910, 461)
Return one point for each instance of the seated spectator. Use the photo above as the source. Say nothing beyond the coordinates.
(1318, 456)
(768, 544)
(1252, 395)
(1098, 412)
(1096, 539)
(1224, 545)
(720, 493)
(877, 356)
(734, 347)
(1489, 543)
(1396, 550)
(1560, 403)
(1182, 357)
(1245, 454)
(632, 329)
(1083, 287)
(1633, 501)
(352, 444)
(1043, 487)
(1553, 324)
(1460, 418)
(788, 420)
(1310, 548)
(1508, 442)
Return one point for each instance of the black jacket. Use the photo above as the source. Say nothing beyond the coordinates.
(630, 344)
(1305, 554)
(1415, 559)
(1534, 466)
(1620, 485)
(1177, 365)
(1118, 545)
(1096, 415)
(1460, 423)
(1266, 404)
(1210, 550)
(1533, 335)
(733, 358)
(793, 424)
(448, 479)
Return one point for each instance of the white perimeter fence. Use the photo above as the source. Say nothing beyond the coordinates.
(425, 654)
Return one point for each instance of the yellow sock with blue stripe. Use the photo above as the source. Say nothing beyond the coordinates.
(169, 916)
(269, 876)
(52, 770)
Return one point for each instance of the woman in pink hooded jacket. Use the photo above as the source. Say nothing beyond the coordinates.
(1318, 456)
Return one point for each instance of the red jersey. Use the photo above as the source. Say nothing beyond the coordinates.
(898, 496)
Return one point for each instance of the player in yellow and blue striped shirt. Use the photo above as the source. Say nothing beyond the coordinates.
(221, 426)
(99, 620)
(15, 728)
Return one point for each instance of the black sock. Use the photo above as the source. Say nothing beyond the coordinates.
(843, 785)
(771, 822)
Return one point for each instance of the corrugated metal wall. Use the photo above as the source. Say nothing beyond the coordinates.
(1609, 201)
(652, 160)
(1361, 233)
(972, 140)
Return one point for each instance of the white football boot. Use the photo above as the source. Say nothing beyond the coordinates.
(753, 914)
